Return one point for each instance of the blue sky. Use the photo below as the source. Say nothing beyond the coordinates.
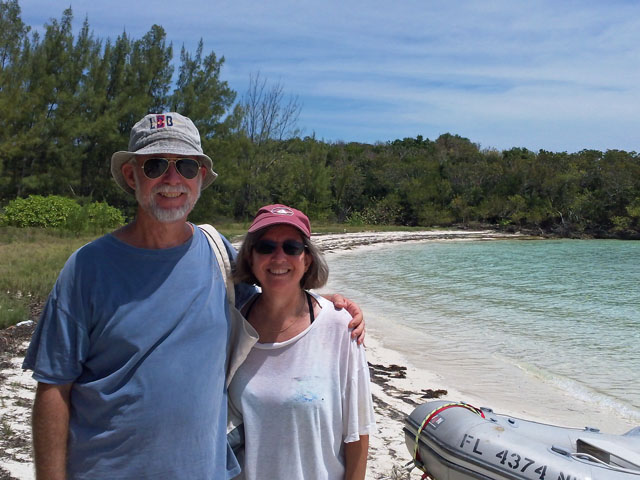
(548, 74)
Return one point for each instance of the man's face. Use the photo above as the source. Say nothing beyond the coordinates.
(168, 198)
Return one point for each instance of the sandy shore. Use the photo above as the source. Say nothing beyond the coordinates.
(17, 390)
(396, 389)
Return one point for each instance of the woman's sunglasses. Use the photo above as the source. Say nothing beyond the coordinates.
(289, 247)
(156, 167)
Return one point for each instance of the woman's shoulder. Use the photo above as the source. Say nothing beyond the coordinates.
(330, 313)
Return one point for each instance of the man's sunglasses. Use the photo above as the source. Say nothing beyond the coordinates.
(156, 167)
(289, 247)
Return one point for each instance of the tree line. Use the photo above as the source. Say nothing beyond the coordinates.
(68, 101)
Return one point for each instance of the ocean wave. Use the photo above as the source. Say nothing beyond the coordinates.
(587, 394)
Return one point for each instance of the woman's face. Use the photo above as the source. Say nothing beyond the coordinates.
(279, 271)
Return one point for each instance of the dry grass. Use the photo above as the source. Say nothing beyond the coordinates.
(31, 261)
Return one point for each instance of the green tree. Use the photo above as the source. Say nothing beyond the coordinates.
(13, 33)
(201, 95)
(150, 70)
(346, 181)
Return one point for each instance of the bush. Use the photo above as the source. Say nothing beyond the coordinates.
(356, 219)
(39, 211)
(61, 213)
(102, 216)
(96, 217)
(386, 211)
(621, 224)
(432, 215)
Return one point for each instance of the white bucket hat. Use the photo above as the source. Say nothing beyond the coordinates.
(161, 134)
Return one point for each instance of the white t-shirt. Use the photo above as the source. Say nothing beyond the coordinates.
(302, 399)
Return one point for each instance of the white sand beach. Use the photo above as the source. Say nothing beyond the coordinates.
(397, 387)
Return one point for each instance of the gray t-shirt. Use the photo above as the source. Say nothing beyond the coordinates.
(142, 336)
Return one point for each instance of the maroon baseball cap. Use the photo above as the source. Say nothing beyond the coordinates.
(281, 214)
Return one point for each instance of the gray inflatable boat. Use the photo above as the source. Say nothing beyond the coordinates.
(456, 441)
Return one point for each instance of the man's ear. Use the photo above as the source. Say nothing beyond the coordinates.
(128, 174)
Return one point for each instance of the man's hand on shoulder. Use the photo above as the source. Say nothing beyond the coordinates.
(357, 321)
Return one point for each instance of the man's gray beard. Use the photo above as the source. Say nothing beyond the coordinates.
(166, 215)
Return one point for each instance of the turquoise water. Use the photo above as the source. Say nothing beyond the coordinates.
(541, 324)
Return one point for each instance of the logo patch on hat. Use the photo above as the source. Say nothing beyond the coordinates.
(282, 211)
(160, 121)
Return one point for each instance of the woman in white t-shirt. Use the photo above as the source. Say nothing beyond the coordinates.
(303, 391)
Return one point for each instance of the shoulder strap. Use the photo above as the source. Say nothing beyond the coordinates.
(217, 245)
(242, 336)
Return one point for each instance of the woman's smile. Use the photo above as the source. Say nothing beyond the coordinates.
(277, 268)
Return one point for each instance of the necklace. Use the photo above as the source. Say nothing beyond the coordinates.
(292, 323)
(295, 320)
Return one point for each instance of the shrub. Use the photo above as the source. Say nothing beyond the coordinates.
(96, 217)
(633, 209)
(61, 213)
(621, 224)
(102, 217)
(431, 215)
(386, 211)
(356, 219)
(39, 211)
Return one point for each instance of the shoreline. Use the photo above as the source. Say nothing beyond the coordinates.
(423, 373)
(331, 243)
(397, 387)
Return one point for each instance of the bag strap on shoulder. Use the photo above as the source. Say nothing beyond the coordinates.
(218, 247)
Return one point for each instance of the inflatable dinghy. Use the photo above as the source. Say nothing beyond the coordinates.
(456, 441)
